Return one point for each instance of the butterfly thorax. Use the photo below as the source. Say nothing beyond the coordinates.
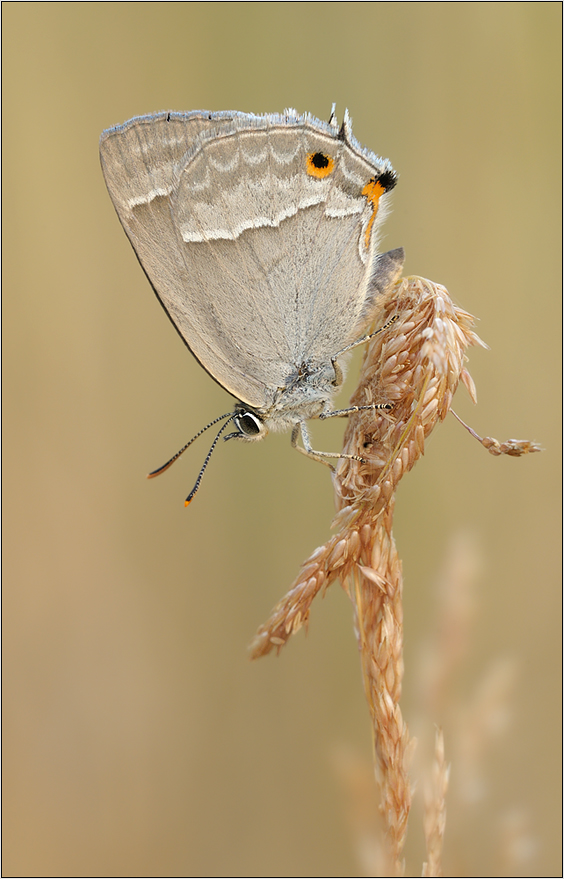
(307, 393)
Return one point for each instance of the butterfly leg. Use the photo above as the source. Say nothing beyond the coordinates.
(338, 380)
(373, 407)
(306, 449)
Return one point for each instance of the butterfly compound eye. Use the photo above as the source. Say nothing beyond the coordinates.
(249, 425)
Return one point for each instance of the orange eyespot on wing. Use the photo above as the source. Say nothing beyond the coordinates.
(319, 165)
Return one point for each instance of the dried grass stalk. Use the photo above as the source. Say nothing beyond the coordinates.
(415, 364)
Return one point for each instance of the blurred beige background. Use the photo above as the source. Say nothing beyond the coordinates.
(138, 738)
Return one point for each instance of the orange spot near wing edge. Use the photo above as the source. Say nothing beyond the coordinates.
(372, 191)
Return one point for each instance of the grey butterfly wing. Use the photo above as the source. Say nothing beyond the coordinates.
(200, 201)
